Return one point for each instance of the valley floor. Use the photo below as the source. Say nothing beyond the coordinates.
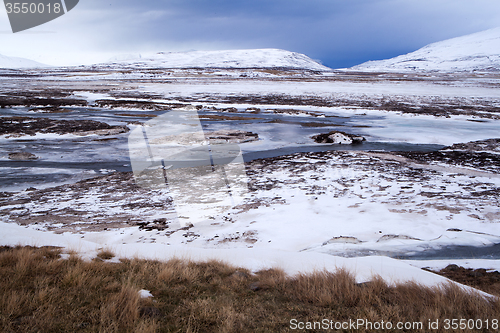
(359, 209)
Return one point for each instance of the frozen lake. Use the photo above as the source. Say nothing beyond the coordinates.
(282, 130)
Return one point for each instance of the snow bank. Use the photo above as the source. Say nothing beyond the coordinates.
(364, 268)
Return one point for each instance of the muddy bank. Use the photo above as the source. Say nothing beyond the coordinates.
(45, 98)
(235, 136)
(481, 155)
(490, 146)
(18, 126)
(135, 104)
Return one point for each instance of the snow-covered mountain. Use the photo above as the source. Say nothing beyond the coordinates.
(257, 58)
(15, 62)
(478, 51)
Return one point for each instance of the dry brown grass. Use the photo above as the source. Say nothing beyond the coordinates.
(41, 292)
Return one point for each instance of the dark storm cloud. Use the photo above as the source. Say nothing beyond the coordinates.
(338, 32)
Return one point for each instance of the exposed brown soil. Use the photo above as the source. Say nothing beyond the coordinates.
(48, 98)
(50, 109)
(31, 126)
(482, 161)
(134, 104)
(314, 124)
(224, 136)
(491, 145)
(481, 279)
(22, 156)
(480, 155)
(296, 112)
(445, 108)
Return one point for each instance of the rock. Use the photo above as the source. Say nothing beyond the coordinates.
(364, 284)
(109, 131)
(230, 136)
(253, 110)
(149, 312)
(255, 286)
(343, 239)
(338, 138)
(22, 156)
(478, 273)
(452, 267)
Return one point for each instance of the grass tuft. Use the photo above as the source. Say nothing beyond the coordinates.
(105, 254)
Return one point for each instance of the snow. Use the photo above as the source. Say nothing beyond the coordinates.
(363, 268)
(257, 58)
(145, 293)
(478, 51)
(91, 97)
(15, 62)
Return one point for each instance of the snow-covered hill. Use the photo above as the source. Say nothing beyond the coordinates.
(15, 62)
(478, 51)
(257, 58)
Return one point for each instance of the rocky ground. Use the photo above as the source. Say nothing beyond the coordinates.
(479, 155)
(110, 201)
(405, 185)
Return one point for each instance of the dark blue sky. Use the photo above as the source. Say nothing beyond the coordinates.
(339, 33)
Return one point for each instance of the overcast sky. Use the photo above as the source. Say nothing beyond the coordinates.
(339, 33)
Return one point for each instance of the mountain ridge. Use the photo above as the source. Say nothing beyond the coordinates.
(249, 58)
(479, 51)
(18, 63)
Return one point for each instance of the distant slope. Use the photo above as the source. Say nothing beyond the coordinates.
(257, 58)
(478, 51)
(15, 62)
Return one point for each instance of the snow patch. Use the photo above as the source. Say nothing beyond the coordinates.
(145, 293)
